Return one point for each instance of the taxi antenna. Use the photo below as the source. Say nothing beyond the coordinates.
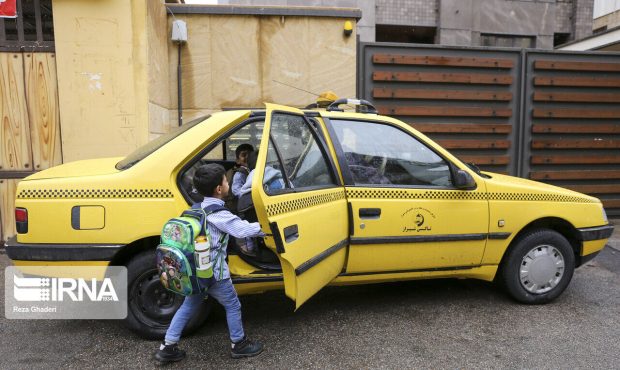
(295, 87)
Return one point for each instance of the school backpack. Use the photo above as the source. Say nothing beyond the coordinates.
(184, 253)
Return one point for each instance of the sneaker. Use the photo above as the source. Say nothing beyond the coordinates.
(246, 348)
(169, 353)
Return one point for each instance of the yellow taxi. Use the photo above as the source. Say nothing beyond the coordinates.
(365, 198)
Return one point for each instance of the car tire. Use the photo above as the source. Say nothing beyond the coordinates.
(150, 307)
(538, 267)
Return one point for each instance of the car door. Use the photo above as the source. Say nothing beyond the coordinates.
(297, 193)
(406, 213)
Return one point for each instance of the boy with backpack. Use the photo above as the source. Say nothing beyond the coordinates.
(210, 181)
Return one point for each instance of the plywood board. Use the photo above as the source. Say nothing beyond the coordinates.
(8, 189)
(236, 78)
(43, 107)
(158, 41)
(14, 130)
(195, 64)
(332, 57)
(159, 119)
(285, 62)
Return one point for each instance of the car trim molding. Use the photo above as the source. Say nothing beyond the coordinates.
(60, 252)
(257, 279)
(320, 257)
(410, 271)
(499, 236)
(595, 233)
(418, 239)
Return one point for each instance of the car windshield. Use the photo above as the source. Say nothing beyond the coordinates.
(149, 148)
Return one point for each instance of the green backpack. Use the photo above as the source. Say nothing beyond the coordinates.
(184, 253)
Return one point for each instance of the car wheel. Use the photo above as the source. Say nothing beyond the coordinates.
(150, 306)
(538, 267)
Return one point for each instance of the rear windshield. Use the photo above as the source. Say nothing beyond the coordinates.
(149, 148)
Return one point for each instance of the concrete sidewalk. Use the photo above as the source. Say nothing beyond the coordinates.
(614, 241)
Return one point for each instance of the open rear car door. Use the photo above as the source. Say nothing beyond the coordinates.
(296, 192)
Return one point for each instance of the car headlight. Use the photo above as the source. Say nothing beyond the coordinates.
(604, 214)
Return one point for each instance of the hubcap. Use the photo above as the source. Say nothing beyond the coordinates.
(542, 269)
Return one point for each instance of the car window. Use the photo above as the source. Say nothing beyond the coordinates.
(223, 152)
(380, 154)
(294, 154)
(248, 134)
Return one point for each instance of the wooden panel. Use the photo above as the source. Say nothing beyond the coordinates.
(446, 111)
(463, 128)
(441, 94)
(474, 144)
(576, 144)
(575, 175)
(7, 208)
(576, 66)
(575, 159)
(235, 70)
(485, 159)
(595, 189)
(465, 78)
(575, 113)
(576, 97)
(442, 61)
(43, 107)
(158, 64)
(611, 203)
(582, 128)
(14, 125)
(577, 81)
(196, 64)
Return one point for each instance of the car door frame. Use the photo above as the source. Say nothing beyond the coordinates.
(349, 183)
(331, 255)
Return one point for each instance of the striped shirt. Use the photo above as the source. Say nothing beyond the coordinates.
(222, 222)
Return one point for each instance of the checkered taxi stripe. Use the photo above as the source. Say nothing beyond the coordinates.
(94, 193)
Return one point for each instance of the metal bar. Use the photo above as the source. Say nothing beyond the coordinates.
(37, 16)
(20, 22)
(28, 46)
(2, 32)
(266, 10)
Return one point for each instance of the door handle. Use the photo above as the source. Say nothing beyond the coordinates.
(370, 213)
(291, 233)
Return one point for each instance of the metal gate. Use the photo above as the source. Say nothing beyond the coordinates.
(548, 116)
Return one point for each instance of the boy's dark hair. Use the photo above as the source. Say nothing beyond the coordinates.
(208, 177)
(252, 160)
(243, 147)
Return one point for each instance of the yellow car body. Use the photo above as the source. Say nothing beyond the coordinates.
(93, 213)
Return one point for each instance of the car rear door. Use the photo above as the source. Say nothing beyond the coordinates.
(297, 193)
(406, 213)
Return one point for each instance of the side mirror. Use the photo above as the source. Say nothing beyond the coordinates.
(463, 180)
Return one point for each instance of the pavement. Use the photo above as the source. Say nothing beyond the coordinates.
(614, 241)
(430, 324)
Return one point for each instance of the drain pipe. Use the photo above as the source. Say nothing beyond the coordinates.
(179, 36)
(179, 88)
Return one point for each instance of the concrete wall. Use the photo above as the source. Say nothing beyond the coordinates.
(101, 50)
(610, 20)
(462, 22)
(117, 68)
(365, 26)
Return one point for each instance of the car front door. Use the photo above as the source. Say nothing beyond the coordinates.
(406, 213)
(297, 193)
